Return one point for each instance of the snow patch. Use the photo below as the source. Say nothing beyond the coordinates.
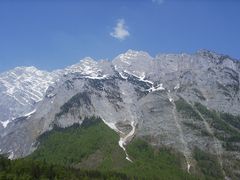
(51, 95)
(11, 156)
(52, 100)
(123, 140)
(159, 87)
(170, 98)
(5, 123)
(121, 74)
(188, 167)
(147, 81)
(30, 113)
(130, 134)
(96, 77)
(142, 78)
(127, 158)
(177, 87)
(127, 72)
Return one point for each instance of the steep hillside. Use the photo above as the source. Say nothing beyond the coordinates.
(94, 146)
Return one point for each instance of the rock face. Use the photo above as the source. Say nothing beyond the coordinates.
(170, 100)
(20, 90)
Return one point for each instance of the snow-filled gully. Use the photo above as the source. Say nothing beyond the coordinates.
(123, 138)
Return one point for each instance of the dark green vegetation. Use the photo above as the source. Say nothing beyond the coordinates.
(186, 109)
(152, 163)
(91, 151)
(208, 165)
(203, 132)
(225, 126)
(24, 169)
(231, 119)
(93, 145)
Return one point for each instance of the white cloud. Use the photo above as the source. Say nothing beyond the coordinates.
(120, 30)
(158, 1)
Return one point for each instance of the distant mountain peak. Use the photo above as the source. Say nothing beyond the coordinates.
(135, 52)
(87, 67)
(27, 68)
(207, 53)
(213, 55)
(22, 88)
(88, 60)
(21, 70)
(132, 54)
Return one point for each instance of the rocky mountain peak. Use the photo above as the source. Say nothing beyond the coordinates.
(88, 60)
(21, 71)
(30, 69)
(132, 55)
(213, 55)
(22, 88)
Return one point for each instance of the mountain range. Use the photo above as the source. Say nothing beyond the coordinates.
(186, 103)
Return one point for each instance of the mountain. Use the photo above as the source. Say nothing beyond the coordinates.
(20, 90)
(185, 102)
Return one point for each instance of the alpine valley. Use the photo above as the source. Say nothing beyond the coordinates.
(173, 116)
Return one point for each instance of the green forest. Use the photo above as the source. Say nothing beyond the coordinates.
(91, 151)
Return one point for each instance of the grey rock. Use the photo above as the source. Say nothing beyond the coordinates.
(134, 90)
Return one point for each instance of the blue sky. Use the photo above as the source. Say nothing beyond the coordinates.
(51, 34)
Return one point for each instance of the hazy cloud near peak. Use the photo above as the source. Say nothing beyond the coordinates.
(120, 30)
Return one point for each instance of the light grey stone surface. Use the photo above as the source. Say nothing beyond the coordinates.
(134, 87)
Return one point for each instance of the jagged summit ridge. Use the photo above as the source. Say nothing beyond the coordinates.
(86, 66)
(132, 54)
(23, 87)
